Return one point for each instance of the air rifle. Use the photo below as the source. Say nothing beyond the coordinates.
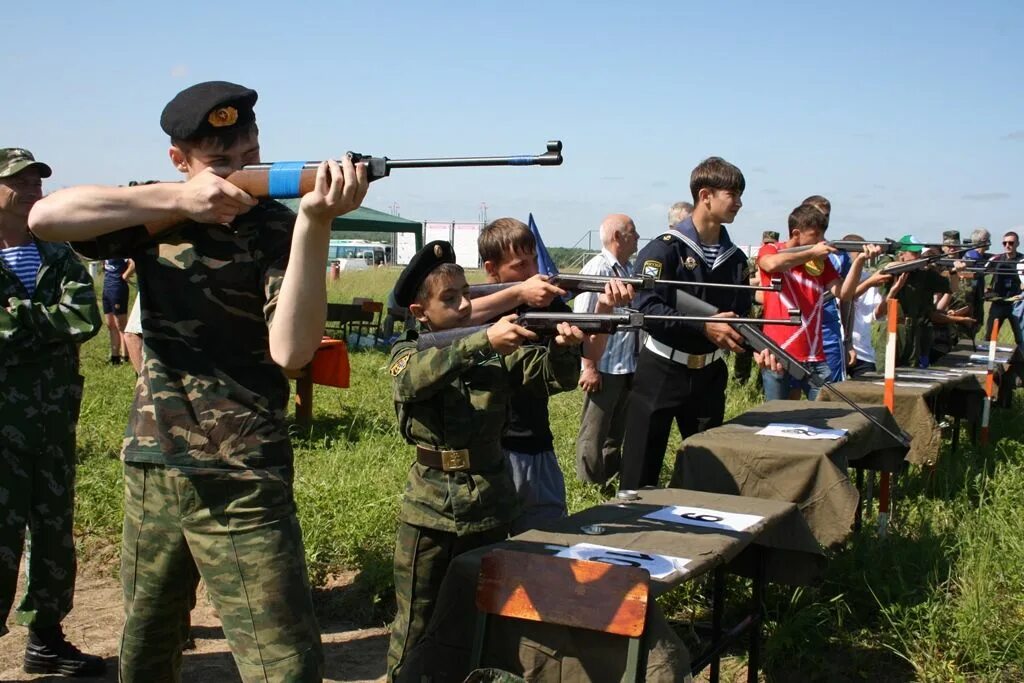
(757, 341)
(900, 267)
(289, 179)
(991, 267)
(596, 283)
(546, 324)
(889, 246)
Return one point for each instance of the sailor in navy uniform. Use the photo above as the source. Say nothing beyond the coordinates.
(681, 373)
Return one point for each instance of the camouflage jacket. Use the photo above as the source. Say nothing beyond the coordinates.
(209, 396)
(457, 397)
(46, 328)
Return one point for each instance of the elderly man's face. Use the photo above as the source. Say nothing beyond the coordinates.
(20, 192)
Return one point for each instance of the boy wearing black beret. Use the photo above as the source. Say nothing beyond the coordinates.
(451, 404)
(232, 290)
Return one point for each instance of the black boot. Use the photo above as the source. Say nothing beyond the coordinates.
(48, 652)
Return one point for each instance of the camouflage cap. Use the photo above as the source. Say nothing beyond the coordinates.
(205, 108)
(910, 243)
(14, 160)
(769, 236)
(422, 264)
(951, 237)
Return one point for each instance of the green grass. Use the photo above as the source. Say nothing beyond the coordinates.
(942, 598)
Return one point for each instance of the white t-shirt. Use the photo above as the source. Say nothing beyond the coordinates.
(864, 320)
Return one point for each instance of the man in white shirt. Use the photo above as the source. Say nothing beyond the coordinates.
(608, 363)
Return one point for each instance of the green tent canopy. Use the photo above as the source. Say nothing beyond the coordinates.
(364, 219)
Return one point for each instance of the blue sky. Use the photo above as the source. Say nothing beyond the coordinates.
(909, 116)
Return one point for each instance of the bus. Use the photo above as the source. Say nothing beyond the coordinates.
(358, 254)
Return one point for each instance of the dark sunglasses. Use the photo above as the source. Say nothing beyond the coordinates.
(1008, 242)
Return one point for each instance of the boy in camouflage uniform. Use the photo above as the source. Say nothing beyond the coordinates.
(451, 404)
(232, 290)
(47, 308)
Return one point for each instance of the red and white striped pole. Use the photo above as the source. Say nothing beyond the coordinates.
(889, 398)
(990, 383)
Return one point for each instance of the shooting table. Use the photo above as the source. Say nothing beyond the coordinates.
(813, 474)
(952, 386)
(551, 652)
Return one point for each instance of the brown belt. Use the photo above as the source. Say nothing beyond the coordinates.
(449, 461)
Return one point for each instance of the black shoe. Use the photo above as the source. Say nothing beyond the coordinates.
(49, 652)
(115, 360)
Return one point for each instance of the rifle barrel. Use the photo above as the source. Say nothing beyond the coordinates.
(721, 319)
(289, 179)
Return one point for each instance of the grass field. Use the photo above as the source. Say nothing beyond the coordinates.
(942, 598)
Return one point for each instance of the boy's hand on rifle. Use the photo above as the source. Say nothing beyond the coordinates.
(506, 336)
(208, 198)
(616, 295)
(338, 189)
(869, 252)
(568, 335)
(821, 250)
(898, 285)
(724, 335)
(537, 292)
(879, 278)
(767, 359)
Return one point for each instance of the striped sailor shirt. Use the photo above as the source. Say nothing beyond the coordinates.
(24, 261)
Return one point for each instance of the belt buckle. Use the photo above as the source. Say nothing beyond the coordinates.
(695, 362)
(454, 461)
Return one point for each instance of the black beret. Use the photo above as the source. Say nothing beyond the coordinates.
(422, 264)
(205, 108)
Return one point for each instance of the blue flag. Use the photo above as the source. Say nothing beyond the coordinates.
(545, 264)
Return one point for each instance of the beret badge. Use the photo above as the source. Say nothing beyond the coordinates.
(223, 117)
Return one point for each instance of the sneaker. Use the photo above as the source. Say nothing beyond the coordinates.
(49, 652)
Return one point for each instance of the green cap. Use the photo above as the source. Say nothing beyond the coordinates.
(951, 237)
(14, 160)
(910, 243)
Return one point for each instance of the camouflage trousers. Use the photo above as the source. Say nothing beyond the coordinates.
(38, 414)
(245, 540)
(422, 557)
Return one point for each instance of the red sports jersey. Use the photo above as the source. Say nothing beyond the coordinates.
(802, 288)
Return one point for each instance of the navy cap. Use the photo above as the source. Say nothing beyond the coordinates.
(422, 264)
(206, 108)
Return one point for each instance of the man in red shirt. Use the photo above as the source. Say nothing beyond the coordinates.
(806, 276)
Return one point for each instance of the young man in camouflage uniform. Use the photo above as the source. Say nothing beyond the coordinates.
(47, 308)
(232, 291)
(451, 404)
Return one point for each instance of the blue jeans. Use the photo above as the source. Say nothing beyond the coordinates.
(777, 386)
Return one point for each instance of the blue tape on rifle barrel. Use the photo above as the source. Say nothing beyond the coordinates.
(520, 161)
(283, 179)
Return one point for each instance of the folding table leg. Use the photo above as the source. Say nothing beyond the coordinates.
(955, 439)
(757, 609)
(717, 607)
(859, 516)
